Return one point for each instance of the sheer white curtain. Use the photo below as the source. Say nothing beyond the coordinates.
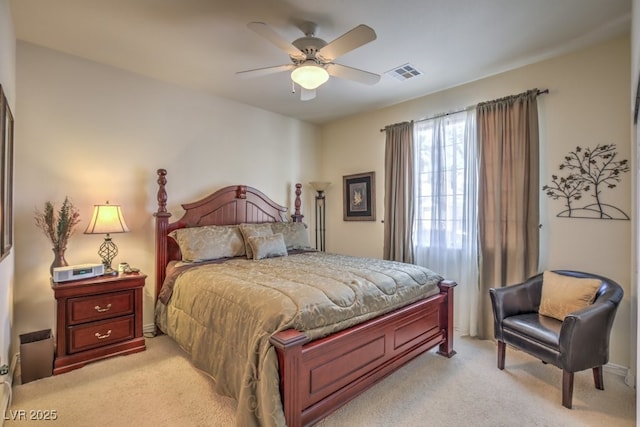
(446, 220)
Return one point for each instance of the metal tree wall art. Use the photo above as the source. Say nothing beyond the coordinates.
(589, 171)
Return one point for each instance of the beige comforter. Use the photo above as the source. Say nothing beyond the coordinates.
(223, 314)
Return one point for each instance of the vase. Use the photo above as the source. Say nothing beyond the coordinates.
(58, 259)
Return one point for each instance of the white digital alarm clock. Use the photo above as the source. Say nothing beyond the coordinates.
(77, 272)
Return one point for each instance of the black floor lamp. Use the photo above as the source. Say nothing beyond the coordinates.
(320, 188)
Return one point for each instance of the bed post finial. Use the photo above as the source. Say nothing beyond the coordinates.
(297, 216)
(162, 192)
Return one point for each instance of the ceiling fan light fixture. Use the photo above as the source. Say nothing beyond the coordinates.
(310, 76)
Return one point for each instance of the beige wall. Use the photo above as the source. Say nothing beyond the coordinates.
(8, 82)
(96, 133)
(588, 104)
(635, 144)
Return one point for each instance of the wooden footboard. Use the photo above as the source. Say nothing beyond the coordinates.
(318, 377)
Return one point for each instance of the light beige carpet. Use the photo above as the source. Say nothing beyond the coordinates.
(159, 387)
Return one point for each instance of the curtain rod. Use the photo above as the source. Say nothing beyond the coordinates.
(540, 92)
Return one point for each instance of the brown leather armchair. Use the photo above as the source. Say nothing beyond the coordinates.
(579, 342)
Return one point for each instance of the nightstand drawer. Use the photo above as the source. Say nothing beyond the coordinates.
(98, 334)
(98, 307)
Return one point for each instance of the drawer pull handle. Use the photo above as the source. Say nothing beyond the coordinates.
(102, 310)
(101, 337)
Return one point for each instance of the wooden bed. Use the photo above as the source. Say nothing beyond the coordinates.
(317, 377)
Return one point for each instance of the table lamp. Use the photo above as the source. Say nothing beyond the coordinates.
(107, 219)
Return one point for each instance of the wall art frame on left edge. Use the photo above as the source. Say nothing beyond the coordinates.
(359, 197)
(6, 176)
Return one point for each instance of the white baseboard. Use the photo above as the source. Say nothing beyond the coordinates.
(149, 329)
(6, 383)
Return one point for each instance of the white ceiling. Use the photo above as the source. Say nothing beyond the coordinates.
(200, 44)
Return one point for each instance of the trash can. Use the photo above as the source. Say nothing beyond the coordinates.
(36, 355)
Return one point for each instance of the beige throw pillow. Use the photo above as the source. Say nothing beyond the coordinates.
(562, 294)
(267, 246)
(209, 242)
(253, 230)
(295, 234)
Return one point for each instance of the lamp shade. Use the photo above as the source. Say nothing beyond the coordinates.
(310, 75)
(107, 219)
(320, 185)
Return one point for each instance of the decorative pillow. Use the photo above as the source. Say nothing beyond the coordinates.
(295, 234)
(251, 230)
(209, 242)
(562, 294)
(268, 246)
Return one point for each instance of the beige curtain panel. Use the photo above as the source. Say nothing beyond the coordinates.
(508, 195)
(399, 193)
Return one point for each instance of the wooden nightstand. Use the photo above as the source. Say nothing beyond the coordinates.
(97, 318)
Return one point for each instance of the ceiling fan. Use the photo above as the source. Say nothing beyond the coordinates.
(312, 58)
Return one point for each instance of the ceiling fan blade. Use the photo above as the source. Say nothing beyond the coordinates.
(355, 74)
(258, 72)
(307, 94)
(360, 35)
(265, 31)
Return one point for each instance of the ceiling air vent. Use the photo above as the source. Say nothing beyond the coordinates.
(404, 72)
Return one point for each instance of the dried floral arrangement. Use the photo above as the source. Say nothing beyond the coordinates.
(58, 225)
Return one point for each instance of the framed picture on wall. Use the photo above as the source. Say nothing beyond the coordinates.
(359, 197)
(3, 132)
(7, 189)
(6, 176)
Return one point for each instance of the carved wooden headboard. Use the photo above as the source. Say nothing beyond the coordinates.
(235, 204)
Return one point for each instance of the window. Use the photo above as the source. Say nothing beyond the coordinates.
(446, 209)
(441, 162)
